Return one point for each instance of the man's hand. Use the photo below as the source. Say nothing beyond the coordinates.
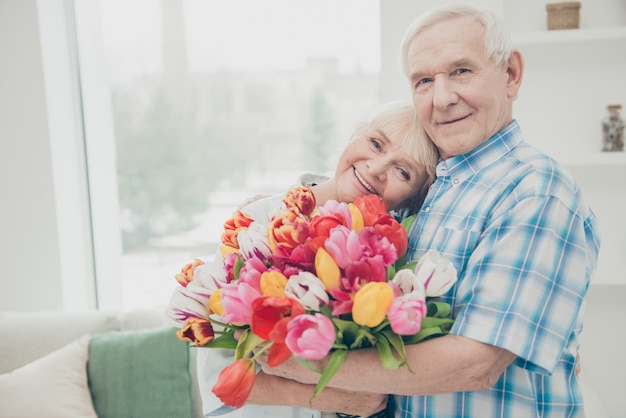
(292, 370)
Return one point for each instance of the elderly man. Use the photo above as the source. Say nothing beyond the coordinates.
(513, 222)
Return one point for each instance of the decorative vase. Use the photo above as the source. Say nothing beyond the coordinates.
(613, 129)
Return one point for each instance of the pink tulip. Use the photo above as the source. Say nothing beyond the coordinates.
(405, 315)
(237, 301)
(310, 337)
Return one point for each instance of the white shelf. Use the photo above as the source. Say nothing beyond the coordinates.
(576, 36)
(605, 159)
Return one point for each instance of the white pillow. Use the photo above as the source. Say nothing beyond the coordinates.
(52, 386)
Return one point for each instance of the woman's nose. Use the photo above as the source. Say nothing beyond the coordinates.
(378, 167)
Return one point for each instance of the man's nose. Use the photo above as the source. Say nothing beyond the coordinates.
(444, 93)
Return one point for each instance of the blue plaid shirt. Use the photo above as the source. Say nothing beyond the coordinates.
(525, 245)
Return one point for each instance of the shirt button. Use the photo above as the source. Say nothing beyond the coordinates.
(455, 181)
(427, 209)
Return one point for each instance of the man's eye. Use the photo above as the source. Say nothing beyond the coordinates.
(422, 82)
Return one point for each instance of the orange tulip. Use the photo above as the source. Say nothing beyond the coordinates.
(186, 273)
(301, 198)
(286, 231)
(236, 223)
(198, 331)
(235, 382)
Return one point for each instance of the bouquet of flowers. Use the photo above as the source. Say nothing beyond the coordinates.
(314, 281)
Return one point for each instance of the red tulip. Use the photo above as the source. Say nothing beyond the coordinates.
(235, 382)
(370, 206)
(388, 227)
(267, 311)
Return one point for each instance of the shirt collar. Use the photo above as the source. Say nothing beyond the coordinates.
(460, 167)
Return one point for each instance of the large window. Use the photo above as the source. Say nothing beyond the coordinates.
(214, 101)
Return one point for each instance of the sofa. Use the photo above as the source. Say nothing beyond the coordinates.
(95, 364)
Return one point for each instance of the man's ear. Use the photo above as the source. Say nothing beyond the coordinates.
(515, 72)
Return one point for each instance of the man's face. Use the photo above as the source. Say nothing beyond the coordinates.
(461, 97)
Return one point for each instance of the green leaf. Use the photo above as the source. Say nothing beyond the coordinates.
(226, 340)
(334, 363)
(387, 359)
(431, 327)
(248, 341)
(347, 331)
(438, 309)
(407, 222)
(237, 267)
(363, 334)
(307, 364)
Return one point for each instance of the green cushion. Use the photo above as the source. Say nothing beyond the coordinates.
(141, 373)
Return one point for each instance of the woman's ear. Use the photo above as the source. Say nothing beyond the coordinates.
(515, 72)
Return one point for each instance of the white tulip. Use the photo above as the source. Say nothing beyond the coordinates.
(211, 276)
(253, 242)
(408, 282)
(307, 289)
(437, 273)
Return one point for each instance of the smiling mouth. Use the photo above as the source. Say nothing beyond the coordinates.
(448, 122)
(364, 182)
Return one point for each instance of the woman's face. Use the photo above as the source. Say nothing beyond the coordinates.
(375, 163)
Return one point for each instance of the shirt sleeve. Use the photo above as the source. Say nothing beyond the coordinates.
(526, 280)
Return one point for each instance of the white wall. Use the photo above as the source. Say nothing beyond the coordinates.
(45, 257)
(29, 257)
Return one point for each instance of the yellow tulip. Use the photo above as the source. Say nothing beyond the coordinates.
(327, 269)
(215, 302)
(357, 217)
(371, 304)
(273, 283)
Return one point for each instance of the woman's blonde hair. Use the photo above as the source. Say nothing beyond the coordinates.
(398, 119)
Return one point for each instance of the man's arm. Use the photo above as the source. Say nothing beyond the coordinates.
(445, 364)
(273, 390)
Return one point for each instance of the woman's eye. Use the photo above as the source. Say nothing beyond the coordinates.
(462, 71)
(405, 174)
(376, 144)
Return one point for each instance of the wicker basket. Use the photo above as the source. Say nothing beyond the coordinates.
(563, 15)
